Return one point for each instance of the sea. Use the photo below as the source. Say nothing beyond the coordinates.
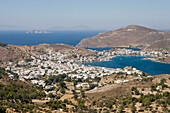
(73, 38)
(65, 37)
(108, 48)
(148, 66)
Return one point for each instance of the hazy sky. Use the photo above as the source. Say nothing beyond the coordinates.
(97, 14)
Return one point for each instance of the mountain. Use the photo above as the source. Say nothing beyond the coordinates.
(13, 27)
(132, 35)
(78, 27)
(57, 28)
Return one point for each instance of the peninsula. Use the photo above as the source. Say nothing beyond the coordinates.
(130, 36)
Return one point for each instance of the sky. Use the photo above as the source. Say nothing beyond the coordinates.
(96, 14)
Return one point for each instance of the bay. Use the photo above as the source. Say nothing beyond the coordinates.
(148, 66)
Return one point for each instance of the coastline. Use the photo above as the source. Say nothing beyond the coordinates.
(138, 62)
(156, 60)
(110, 57)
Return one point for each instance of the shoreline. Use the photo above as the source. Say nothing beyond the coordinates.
(98, 64)
(110, 57)
(152, 59)
(156, 60)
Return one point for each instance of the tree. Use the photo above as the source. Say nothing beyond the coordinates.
(81, 103)
(163, 80)
(68, 79)
(137, 92)
(62, 84)
(110, 106)
(51, 95)
(73, 91)
(153, 88)
(133, 88)
(166, 94)
(58, 97)
(62, 91)
(92, 86)
(75, 83)
(75, 96)
(83, 93)
(2, 109)
(146, 102)
(121, 109)
(97, 79)
(133, 109)
(94, 103)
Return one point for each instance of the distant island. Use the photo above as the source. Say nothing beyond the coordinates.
(38, 31)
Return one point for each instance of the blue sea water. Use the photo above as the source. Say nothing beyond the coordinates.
(108, 48)
(100, 48)
(148, 66)
(66, 37)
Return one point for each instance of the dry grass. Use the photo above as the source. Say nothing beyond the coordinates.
(66, 96)
(116, 90)
(39, 101)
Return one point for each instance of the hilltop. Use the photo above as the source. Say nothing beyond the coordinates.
(130, 36)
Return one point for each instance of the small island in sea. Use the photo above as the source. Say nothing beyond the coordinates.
(38, 31)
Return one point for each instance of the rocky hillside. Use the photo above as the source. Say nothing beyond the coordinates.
(132, 35)
(12, 52)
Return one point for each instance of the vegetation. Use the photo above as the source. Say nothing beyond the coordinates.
(147, 79)
(17, 94)
(56, 104)
(55, 79)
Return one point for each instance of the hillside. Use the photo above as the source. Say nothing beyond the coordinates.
(12, 52)
(140, 95)
(132, 35)
(16, 95)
